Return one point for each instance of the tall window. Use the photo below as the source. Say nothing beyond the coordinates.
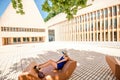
(80, 27)
(92, 36)
(88, 17)
(110, 22)
(102, 24)
(24, 39)
(119, 9)
(98, 14)
(115, 23)
(14, 40)
(33, 39)
(102, 12)
(94, 15)
(86, 27)
(85, 17)
(110, 14)
(106, 12)
(91, 26)
(114, 10)
(19, 39)
(115, 36)
(40, 39)
(80, 19)
(28, 39)
(98, 25)
(91, 16)
(106, 24)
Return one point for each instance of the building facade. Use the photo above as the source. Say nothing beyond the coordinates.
(97, 22)
(21, 29)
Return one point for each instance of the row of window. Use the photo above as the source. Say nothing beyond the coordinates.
(16, 40)
(100, 37)
(99, 13)
(14, 29)
(27, 39)
(97, 25)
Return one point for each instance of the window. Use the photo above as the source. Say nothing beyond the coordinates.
(80, 18)
(86, 27)
(85, 17)
(94, 15)
(2, 28)
(88, 16)
(28, 39)
(114, 10)
(106, 12)
(110, 11)
(86, 37)
(102, 24)
(19, 40)
(115, 23)
(98, 25)
(115, 36)
(35, 38)
(81, 28)
(40, 39)
(32, 38)
(106, 24)
(102, 12)
(92, 36)
(92, 26)
(106, 34)
(98, 14)
(119, 9)
(110, 22)
(91, 16)
(14, 40)
(24, 39)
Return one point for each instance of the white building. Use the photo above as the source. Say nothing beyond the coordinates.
(97, 22)
(19, 29)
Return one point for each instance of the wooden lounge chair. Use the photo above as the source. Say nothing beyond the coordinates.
(114, 64)
(50, 74)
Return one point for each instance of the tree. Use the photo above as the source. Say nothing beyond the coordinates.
(69, 7)
(54, 7)
(17, 4)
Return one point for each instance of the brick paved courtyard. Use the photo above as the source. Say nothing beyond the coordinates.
(91, 64)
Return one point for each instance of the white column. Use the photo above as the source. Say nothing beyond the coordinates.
(0, 41)
(46, 33)
(108, 24)
(118, 24)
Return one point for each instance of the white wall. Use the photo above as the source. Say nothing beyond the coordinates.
(0, 41)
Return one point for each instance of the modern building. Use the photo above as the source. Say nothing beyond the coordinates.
(99, 22)
(20, 29)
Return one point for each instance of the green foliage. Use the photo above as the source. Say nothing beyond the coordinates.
(54, 7)
(69, 7)
(17, 4)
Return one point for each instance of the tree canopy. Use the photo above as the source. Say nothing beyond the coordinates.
(54, 7)
(69, 7)
(17, 4)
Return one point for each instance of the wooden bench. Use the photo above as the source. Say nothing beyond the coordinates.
(114, 64)
(30, 74)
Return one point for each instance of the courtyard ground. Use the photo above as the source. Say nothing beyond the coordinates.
(90, 57)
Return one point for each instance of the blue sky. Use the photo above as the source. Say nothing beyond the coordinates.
(4, 4)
